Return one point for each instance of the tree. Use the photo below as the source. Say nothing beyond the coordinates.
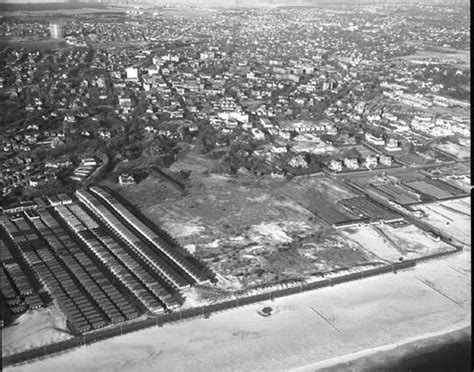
(208, 137)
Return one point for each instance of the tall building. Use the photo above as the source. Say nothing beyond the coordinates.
(56, 30)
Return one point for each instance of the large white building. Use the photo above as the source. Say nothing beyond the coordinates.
(132, 73)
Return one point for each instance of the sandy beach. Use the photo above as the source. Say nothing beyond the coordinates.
(309, 331)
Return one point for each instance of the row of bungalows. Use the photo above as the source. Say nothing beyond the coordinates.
(59, 280)
(435, 188)
(146, 288)
(83, 216)
(59, 199)
(151, 236)
(19, 279)
(365, 207)
(18, 304)
(33, 301)
(129, 270)
(84, 170)
(101, 250)
(54, 278)
(6, 256)
(105, 295)
(152, 259)
(8, 291)
(14, 300)
(395, 192)
(19, 207)
(351, 223)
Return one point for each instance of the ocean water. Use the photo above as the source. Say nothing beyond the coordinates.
(447, 353)
(452, 357)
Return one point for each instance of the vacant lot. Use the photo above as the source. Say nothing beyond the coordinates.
(453, 217)
(307, 189)
(391, 243)
(248, 230)
(373, 241)
(318, 195)
(413, 241)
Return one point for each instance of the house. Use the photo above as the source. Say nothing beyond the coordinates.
(125, 102)
(298, 161)
(266, 123)
(247, 126)
(392, 145)
(371, 161)
(335, 165)
(126, 179)
(278, 149)
(373, 117)
(89, 161)
(351, 163)
(33, 182)
(104, 133)
(374, 140)
(386, 160)
(258, 134)
(284, 134)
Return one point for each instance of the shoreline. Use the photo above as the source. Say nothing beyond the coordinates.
(369, 315)
(393, 353)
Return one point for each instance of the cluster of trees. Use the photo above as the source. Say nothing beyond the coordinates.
(237, 156)
(208, 136)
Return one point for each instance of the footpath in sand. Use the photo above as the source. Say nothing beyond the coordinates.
(305, 330)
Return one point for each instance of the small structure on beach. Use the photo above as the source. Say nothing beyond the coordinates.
(266, 311)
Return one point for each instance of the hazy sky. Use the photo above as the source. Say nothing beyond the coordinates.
(159, 2)
(31, 1)
(202, 3)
